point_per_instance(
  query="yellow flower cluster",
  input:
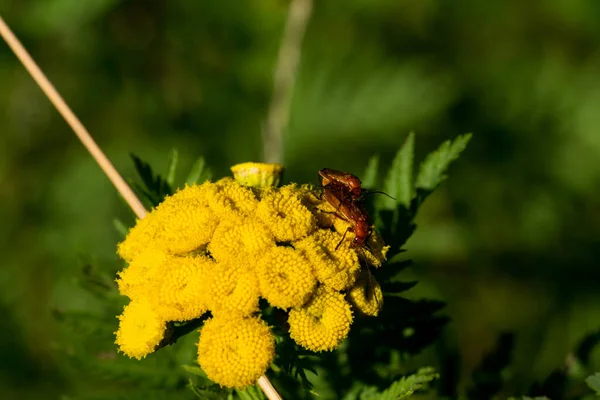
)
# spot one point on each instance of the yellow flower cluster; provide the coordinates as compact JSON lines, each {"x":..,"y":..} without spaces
{"x":222,"y":246}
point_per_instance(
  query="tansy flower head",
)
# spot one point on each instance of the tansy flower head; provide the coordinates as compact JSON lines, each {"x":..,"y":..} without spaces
{"x":181,"y":292}
{"x":231,"y":198}
{"x":235,"y":351}
{"x":283,"y":212}
{"x":140,"y":329}
{"x":258,"y":175}
{"x":140,"y":237}
{"x":240,"y":239}
{"x":232,"y":288}
{"x":286,"y":277}
{"x":141,"y":277}
{"x":187,"y":223}
{"x":366,"y":296}
{"x":323,"y":323}
{"x":337,"y":269}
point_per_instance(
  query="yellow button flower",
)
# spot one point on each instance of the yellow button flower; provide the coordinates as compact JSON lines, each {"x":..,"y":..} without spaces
{"x":286,"y":277}
{"x":140,"y":329}
{"x":366,"y":296}
{"x":240,"y":239}
{"x":323,"y":323}
{"x":233,"y":287}
{"x":140,"y":278}
{"x":201,"y":192}
{"x":337,"y":269}
{"x":181,"y":293}
{"x":140,"y":237}
{"x":181,"y":223}
{"x":258,"y":175}
{"x":231,"y":198}
{"x":187,"y":224}
{"x":234,"y":352}
{"x":283,"y":212}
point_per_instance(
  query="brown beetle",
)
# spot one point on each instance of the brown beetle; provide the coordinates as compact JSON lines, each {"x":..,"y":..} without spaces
{"x":351,"y":211}
{"x":343,"y":181}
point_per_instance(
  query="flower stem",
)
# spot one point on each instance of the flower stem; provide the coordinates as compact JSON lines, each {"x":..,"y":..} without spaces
{"x":72,"y":120}
{"x":283,"y":82}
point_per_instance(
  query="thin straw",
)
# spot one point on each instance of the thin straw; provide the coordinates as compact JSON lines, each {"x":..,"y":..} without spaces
{"x":92,"y":147}
{"x":299,"y":12}
{"x":72,"y":120}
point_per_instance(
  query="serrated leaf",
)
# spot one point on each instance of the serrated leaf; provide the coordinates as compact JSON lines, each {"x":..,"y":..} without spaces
{"x":392,"y":268}
{"x":398,"y":182}
{"x":199,"y":172}
{"x":433,"y":169}
{"x":397,"y":287}
{"x":294,"y":362}
{"x":144,"y":171}
{"x":403,"y":388}
{"x":150,"y":200}
{"x":173,"y":161}
{"x":369,"y":178}
{"x":593,"y":381}
{"x":154,"y":188}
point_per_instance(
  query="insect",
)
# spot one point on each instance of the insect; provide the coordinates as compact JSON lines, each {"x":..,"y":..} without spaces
{"x":346,"y":184}
{"x":351,"y":211}
{"x":344,"y":192}
{"x":343,"y":181}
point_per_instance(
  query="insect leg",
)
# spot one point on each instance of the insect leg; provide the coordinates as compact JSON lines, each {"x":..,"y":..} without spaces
{"x":343,"y":237}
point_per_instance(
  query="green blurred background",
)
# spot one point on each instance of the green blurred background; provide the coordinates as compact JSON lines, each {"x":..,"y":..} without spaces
{"x":510,"y":241}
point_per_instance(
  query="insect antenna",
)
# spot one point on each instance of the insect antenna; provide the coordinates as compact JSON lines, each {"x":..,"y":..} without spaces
{"x":369,"y":192}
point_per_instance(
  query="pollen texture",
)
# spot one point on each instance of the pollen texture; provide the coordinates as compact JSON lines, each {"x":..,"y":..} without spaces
{"x":140,"y":329}
{"x":235,"y":351}
{"x":323,"y":323}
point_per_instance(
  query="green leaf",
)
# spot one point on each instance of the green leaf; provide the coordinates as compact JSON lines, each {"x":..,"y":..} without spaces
{"x":194,"y":370}
{"x":199,"y":172}
{"x":433,"y":169}
{"x":488,"y":377}
{"x":585,"y":347}
{"x":209,"y":392}
{"x":593,"y":381}
{"x":370,"y":175}
{"x":120,"y":227}
{"x":154,"y":188}
{"x":173,"y":160}
{"x":397,"y":287}
{"x":403,"y":388}
{"x":251,"y":393}
{"x":294,"y":361}
{"x":398,"y":182}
